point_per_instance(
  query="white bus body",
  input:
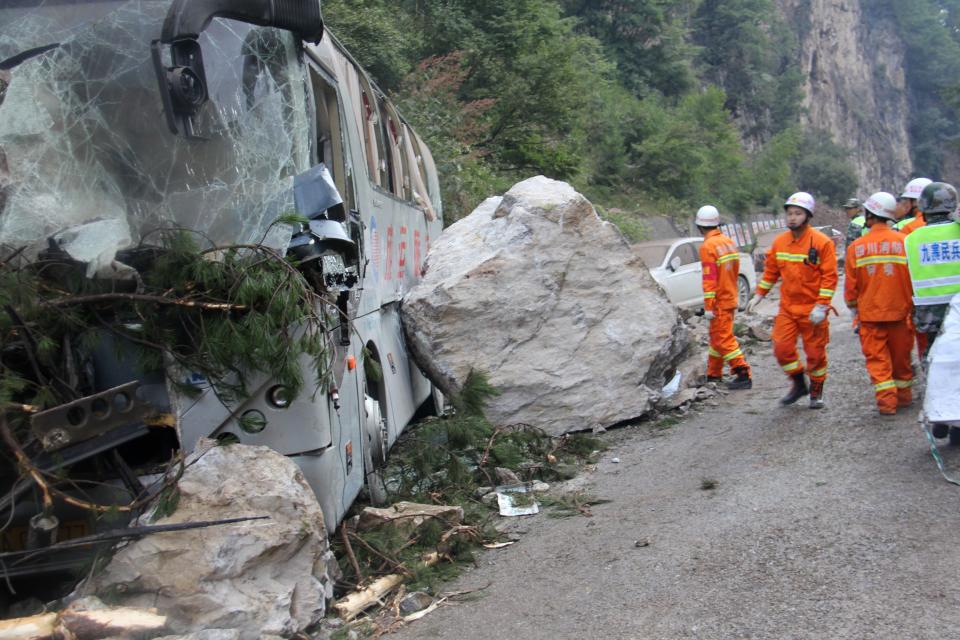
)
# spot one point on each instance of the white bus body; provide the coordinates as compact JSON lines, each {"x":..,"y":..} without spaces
{"x":99,"y":137}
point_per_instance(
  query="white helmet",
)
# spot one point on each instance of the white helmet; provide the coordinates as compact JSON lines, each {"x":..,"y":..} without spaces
{"x":915,"y":187}
{"x":708,"y":216}
{"x":882,"y":205}
{"x":801,"y":199}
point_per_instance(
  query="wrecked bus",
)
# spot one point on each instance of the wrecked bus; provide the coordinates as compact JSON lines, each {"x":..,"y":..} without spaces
{"x":217,"y":117}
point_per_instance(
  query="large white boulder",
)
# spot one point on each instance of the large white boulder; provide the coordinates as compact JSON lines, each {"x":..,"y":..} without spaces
{"x":261,"y":577}
{"x":547,"y":299}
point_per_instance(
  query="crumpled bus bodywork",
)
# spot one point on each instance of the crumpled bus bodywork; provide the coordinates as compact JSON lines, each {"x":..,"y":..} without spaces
{"x":92,"y":154}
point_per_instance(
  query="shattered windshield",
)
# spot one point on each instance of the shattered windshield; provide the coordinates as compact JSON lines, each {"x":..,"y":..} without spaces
{"x":83,"y":135}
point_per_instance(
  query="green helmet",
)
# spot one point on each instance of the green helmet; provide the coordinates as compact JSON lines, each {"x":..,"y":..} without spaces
{"x":938,"y":197}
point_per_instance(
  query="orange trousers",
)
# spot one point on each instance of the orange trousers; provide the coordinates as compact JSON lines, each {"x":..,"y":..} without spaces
{"x":786,"y":329}
{"x":724,"y":348}
{"x":887,"y":347}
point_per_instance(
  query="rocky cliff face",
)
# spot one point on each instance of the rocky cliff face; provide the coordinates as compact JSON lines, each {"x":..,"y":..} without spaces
{"x":855,"y":86}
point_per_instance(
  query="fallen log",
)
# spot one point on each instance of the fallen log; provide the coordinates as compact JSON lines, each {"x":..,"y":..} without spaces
{"x":36,"y":627}
{"x":118,"y":622}
{"x":355,"y":602}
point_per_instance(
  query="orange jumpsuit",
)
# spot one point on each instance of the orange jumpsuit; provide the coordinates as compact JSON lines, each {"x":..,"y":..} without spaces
{"x":917,"y":222}
{"x":878,"y":288}
{"x":808,"y":267}
{"x":914,"y":224}
{"x":720,"y":260}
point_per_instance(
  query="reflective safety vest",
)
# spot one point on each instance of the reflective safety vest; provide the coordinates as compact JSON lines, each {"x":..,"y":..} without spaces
{"x":933,"y":256}
{"x":902,"y":223}
{"x":861,"y":222}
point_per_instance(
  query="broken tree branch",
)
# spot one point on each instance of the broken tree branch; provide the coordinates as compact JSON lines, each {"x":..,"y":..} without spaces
{"x":397,"y":565}
{"x":142,"y":297}
{"x":122,"y":534}
{"x":353,"y":604}
{"x":350,"y":555}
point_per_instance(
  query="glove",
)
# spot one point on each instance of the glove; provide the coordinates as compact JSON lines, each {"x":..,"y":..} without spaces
{"x":856,"y":322}
{"x":754,"y":302}
{"x":709,"y":315}
{"x":819,"y":314}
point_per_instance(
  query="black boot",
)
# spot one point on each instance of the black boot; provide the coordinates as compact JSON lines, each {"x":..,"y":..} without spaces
{"x":816,"y":394}
{"x":742,"y":381}
{"x":797,"y":391}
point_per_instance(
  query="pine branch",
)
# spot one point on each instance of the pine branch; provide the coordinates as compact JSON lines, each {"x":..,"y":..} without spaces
{"x":141,"y":297}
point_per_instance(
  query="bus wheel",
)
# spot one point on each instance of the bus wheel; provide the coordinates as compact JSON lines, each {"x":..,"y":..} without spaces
{"x":374,"y":455}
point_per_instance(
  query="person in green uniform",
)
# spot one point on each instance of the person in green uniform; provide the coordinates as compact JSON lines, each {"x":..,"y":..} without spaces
{"x":857,"y":227}
{"x":933,"y":256}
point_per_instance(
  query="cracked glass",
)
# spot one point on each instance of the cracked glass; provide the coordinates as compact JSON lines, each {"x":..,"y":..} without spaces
{"x":84,"y":139}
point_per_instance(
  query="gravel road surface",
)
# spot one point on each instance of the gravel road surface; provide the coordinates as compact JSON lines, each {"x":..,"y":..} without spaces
{"x":822,"y":524}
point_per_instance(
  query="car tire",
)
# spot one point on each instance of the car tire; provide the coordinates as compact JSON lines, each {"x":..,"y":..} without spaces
{"x":743,"y":292}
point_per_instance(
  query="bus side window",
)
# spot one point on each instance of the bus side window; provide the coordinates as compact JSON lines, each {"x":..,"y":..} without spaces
{"x":396,"y":135}
{"x":329,"y":136}
{"x":374,"y":136}
{"x":418,"y":174}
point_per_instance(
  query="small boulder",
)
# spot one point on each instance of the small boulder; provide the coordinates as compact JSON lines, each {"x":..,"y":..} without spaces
{"x":263,"y":576}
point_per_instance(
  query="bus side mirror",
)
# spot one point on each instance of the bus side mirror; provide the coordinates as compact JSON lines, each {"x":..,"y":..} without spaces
{"x":183,"y":85}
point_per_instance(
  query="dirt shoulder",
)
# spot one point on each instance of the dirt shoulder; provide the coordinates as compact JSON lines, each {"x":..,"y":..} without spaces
{"x":822,"y":524}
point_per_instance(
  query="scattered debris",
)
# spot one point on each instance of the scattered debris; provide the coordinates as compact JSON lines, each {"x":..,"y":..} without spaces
{"x":506,"y":476}
{"x":708,"y":484}
{"x":641,"y":543}
{"x":572,"y":504}
{"x":615,"y":460}
{"x":673,"y":386}
{"x":499,"y":545}
{"x":407,"y":517}
{"x":416,"y":601}
{"x":517,"y":500}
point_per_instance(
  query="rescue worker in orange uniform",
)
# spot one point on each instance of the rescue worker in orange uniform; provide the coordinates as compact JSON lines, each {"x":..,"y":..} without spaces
{"x":720,"y":262}
{"x":909,"y":216}
{"x":879,"y":292}
{"x":807,"y":262}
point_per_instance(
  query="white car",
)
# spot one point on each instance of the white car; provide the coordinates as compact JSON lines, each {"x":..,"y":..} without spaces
{"x":675,"y":265}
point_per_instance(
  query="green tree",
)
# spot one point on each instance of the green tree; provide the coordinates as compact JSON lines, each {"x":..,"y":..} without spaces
{"x":824,"y":168}
{"x":647,"y":39}
{"x":740,"y":53}
{"x":690,"y":153}
{"x":377,"y":35}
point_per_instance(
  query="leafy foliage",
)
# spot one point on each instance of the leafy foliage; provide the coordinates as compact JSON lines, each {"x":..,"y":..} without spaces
{"x":223,"y":313}
{"x":825,"y":164}
{"x":645,"y":105}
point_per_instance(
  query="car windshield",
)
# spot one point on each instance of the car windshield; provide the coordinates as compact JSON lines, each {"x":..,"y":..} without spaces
{"x":83,"y":134}
{"x":653,"y":254}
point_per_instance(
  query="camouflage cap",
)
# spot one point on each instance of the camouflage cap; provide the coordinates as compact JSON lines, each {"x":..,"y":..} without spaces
{"x":938,"y":197}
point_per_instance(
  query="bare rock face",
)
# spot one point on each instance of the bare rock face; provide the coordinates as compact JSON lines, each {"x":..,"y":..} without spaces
{"x":539,"y":293}
{"x":854,"y":87}
{"x":262,"y":577}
